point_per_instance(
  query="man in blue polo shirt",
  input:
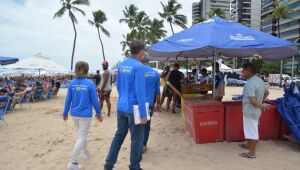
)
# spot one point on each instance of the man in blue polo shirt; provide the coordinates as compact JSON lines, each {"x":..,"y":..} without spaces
{"x":131,"y":88}
{"x":152,"y":95}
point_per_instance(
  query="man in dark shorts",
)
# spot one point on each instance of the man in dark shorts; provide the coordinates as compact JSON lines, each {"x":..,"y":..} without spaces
{"x":175,"y":79}
{"x":97,"y":78}
{"x":105,"y":87}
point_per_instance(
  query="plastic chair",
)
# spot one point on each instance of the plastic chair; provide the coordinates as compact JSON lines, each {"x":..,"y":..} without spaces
{"x":39,"y":93}
{"x":25,"y":99}
{"x":4,"y":100}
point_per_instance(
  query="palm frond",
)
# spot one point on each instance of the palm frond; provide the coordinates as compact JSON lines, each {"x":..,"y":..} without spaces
{"x":73,"y":18}
{"x":105,"y":31}
{"x":60,"y":12}
{"x":78,"y":10}
{"x":179,"y":23}
{"x":91,"y":22}
{"x":80,"y":2}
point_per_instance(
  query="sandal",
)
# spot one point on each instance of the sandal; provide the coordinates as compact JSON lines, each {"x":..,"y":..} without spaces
{"x":247,"y":155}
{"x":244,"y":146}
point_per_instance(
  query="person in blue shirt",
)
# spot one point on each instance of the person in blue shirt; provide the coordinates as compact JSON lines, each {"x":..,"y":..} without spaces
{"x":131,"y":89}
{"x":152,"y":81}
{"x":81,"y":98}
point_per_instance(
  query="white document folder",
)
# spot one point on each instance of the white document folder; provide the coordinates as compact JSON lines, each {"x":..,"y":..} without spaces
{"x":137,"y":116}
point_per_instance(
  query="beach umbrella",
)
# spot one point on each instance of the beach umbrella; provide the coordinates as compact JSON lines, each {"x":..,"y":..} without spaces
{"x":217,"y":36}
{"x":40,"y":63}
{"x":8,"y":60}
{"x":227,"y":38}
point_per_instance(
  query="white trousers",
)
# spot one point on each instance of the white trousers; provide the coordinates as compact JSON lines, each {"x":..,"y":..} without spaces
{"x":83,"y":125}
{"x":250,"y":128}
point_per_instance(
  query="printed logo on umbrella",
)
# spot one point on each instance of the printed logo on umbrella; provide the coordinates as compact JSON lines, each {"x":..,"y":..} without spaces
{"x":241,"y":37}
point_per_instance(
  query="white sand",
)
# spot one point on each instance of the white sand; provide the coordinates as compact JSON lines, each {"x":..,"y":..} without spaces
{"x":38,"y":139}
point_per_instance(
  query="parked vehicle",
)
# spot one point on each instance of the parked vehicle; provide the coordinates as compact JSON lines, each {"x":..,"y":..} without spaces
{"x":274,"y":79}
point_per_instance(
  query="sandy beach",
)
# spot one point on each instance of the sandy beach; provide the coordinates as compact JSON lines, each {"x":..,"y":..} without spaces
{"x":38,"y":139}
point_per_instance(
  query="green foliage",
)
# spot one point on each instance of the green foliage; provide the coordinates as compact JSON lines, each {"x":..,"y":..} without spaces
{"x":216,"y":11}
{"x":266,"y":67}
{"x":141,"y":27}
{"x":170,"y":13}
{"x":70,"y":6}
{"x":99,"y":18}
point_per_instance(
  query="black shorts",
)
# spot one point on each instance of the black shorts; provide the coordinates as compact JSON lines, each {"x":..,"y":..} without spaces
{"x":167,"y":91}
{"x":105,"y":95}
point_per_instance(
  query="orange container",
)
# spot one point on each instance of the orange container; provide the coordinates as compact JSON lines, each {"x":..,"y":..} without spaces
{"x":205,"y":120}
{"x":269,"y":127}
{"x":233,"y":130}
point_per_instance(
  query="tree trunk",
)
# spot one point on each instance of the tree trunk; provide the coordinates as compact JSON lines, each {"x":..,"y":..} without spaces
{"x":171,"y":27}
{"x":74,"y":44}
{"x":101,"y":44}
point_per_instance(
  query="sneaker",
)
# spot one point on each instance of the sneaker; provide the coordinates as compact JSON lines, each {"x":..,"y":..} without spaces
{"x":86,"y":155}
{"x":73,"y":166}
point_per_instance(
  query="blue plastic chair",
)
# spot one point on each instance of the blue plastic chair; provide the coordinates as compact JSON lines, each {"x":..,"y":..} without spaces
{"x":11,"y":96}
{"x":25,"y":99}
{"x":4,"y":100}
{"x":39,"y":93}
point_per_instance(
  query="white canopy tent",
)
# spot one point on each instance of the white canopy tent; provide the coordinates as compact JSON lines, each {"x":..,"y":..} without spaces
{"x":223,"y":68}
{"x":39,"y":63}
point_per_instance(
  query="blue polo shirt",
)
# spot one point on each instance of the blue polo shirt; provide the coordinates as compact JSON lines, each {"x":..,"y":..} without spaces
{"x":152,"y":81}
{"x":131,"y":87}
{"x":81,"y":98}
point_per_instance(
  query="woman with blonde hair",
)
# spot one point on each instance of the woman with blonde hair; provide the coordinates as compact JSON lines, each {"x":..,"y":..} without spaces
{"x":81,"y":97}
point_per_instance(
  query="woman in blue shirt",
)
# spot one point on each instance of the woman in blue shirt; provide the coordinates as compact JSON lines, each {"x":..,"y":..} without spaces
{"x":81,"y":97}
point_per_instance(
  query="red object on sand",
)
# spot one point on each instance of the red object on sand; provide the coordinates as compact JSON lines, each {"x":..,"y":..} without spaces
{"x":269,"y":126}
{"x":205,"y":120}
{"x":284,"y":130}
{"x":233,"y":122}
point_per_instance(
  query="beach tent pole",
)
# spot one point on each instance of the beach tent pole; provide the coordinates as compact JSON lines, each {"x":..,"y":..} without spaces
{"x":186,"y":65}
{"x":293,"y":66}
{"x":214,"y":75}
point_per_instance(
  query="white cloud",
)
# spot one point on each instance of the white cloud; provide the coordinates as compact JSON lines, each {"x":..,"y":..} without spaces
{"x":26,"y":29}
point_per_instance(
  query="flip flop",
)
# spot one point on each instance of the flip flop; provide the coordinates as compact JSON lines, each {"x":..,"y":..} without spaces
{"x":244,"y":146}
{"x":247,"y":155}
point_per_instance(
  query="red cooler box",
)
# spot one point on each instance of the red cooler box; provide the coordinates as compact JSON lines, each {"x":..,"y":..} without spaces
{"x":284,"y":130}
{"x":233,"y":121}
{"x":269,"y":126}
{"x":205,"y":120}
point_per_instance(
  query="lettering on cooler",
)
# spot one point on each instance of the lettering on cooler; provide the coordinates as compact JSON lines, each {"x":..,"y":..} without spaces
{"x":209,"y":123}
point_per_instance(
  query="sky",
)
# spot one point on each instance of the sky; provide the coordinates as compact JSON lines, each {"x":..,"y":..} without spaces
{"x":27,"y":27}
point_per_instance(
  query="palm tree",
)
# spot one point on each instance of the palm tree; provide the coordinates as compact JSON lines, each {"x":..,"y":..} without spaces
{"x":156,"y":31}
{"x":99,"y":19}
{"x":216,"y":11}
{"x":280,"y":11}
{"x":128,"y":38}
{"x":170,"y":13}
{"x":141,"y":25}
{"x":129,"y":15}
{"x":198,"y":20}
{"x":70,"y":7}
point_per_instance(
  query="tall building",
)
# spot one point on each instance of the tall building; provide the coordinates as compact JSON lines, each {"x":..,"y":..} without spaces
{"x":289,"y":27}
{"x":197,"y":12}
{"x":247,"y":12}
{"x":201,"y":8}
{"x":208,"y":5}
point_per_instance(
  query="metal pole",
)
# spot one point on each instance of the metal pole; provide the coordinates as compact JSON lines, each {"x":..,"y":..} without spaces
{"x":293,"y":66}
{"x":214,"y":75}
{"x":281,"y":69}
